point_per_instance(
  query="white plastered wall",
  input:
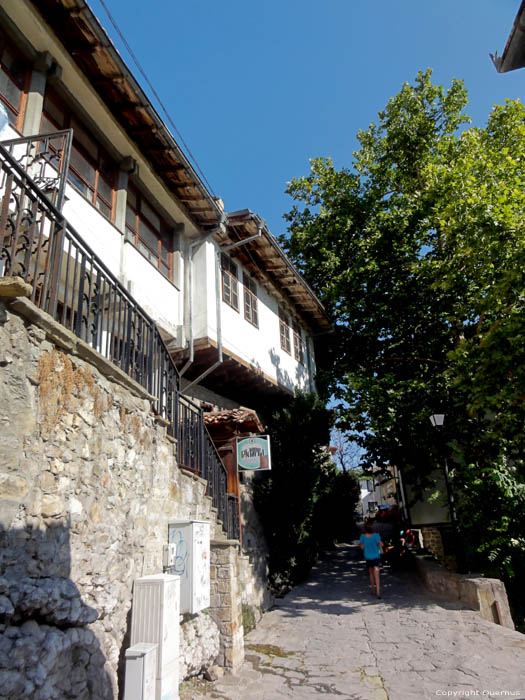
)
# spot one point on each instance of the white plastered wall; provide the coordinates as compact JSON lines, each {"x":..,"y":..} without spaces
{"x":158,"y":297}
{"x":32,"y":27}
{"x":258,"y":347}
{"x":94,"y":229}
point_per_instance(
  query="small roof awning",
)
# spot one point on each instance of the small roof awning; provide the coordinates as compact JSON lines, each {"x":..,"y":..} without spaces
{"x":237,"y":419}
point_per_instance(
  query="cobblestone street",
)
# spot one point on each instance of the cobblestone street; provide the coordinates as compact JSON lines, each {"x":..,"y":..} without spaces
{"x":330,"y":638}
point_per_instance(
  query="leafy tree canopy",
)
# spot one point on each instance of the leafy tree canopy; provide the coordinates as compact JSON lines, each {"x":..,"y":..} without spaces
{"x":305,"y":503}
{"x":418,"y":252}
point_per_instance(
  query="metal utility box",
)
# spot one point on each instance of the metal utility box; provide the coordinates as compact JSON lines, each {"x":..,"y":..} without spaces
{"x":189,"y":550}
{"x":141,"y":672}
{"x":155,"y":619}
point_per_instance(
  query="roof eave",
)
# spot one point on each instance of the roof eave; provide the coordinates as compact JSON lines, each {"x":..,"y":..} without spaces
{"x":246,"y":216}
{"x":79,"y":8}
{"x":513,"y":56}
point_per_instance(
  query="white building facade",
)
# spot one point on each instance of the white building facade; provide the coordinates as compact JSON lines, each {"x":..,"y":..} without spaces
{"x":137,"y":202}
{"x":137,"y":279}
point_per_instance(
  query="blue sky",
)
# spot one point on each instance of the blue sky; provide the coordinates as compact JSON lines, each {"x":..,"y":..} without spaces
{"x":258,"y":88}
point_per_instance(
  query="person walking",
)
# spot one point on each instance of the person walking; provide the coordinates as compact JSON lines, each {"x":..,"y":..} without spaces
{"x":372,"y":547}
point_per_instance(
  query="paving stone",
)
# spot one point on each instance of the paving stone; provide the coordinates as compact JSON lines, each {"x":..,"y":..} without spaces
{"x":337,"y":642}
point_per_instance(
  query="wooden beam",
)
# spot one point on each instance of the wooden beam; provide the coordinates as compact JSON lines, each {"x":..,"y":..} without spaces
{"x":116,"y":79}
{"x":87,"y":48}
{"x":143,"y":130}
{"x":166,"y":169}
{"x":128,"y":104}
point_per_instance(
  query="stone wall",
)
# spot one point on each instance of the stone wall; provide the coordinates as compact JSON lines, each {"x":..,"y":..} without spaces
{"x":253,"y":564}
{"x":88,"y":482}
{"x":432,"y":541}
{"x":199,"y":644}
{"x":226,"y":607}
{"x":485,"y":595}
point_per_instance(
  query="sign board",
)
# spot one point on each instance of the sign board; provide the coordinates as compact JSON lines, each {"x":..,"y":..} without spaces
{"x":253,"y":453}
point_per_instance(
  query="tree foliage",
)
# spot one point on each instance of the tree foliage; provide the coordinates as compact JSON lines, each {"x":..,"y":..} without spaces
{"x":418,"y":253}
{"x":305,"y":503}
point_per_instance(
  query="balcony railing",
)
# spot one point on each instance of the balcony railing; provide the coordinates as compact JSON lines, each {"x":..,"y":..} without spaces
{"x":45,"y":158}
{"x":75,"y":287}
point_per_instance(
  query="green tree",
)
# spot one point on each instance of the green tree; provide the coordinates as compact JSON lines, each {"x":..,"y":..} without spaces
{"x":304,"y":502}
{"x":418,"y":253}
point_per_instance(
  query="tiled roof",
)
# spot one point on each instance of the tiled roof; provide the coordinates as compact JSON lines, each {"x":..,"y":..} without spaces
{"x":242,"y":418}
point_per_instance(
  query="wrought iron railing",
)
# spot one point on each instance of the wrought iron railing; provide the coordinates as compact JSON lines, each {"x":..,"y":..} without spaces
{"x":190,"y":422}
{"x":77,"y":289}
{"x":45,"y":157}
{"x":234,"y":527}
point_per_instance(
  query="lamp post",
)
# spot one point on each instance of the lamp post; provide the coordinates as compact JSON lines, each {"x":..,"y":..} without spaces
{"x":437,"y":420}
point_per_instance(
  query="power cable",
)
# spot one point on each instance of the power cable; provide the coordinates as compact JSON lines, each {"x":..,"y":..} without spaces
{"x":154,"y":92}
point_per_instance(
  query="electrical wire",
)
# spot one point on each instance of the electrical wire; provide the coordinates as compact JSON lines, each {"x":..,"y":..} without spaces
{"x":154,"y":92}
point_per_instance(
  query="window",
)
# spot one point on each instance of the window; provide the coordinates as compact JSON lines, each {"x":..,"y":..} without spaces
{"x":230,"y":282}
{"x":284,"y":331}
{"x":298,"y":344}
{"x":250,"y":301}
{"x":91,"y":171}
{"x":149,"y":233}
{"x":14,"y":72}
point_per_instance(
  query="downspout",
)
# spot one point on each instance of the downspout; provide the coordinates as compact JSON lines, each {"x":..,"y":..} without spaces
{"x":260,"y":225}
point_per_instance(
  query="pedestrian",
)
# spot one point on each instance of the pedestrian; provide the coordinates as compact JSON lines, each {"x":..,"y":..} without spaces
{"x":370,"y":543}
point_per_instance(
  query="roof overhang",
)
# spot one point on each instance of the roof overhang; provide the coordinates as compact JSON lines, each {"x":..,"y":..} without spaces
{"x":266,"y":261}
{"x":247,"y":384}
{"x":94,"y":53}
{"x":514,"y":53}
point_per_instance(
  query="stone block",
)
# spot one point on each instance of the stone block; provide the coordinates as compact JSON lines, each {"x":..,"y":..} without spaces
{"x":52,"y":506}
{"x":487,"y":596}
{"x":12,"y":487}
{"x":11,"y":287}
{"x":214,"y":673}
{"x":48,"y":482}
{"x":234,"y":657}
{"x":224,"y":586}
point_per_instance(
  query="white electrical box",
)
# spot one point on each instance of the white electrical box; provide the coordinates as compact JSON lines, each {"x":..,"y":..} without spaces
{"x":141,"y":672}
{"x":155,"y":619}
{"x":191,"y":540}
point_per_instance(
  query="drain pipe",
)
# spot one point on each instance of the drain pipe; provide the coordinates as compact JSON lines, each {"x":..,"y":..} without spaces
{"x":260,"y":226}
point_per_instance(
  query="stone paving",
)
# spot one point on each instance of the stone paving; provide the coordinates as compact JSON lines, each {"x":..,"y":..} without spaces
{"x":329,"y":637}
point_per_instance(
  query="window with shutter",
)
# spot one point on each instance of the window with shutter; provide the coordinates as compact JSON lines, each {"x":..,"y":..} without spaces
{"x":230,"y":282}
{"x":250,"y":301}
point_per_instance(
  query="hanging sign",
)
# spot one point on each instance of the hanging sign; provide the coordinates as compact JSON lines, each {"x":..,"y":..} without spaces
{"x":253,"y":453}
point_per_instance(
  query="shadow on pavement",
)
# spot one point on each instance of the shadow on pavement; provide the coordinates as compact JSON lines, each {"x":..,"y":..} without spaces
{"x":339,"y":585}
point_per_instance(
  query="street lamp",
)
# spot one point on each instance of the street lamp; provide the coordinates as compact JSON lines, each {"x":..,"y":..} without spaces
{"x":437,"y":420}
